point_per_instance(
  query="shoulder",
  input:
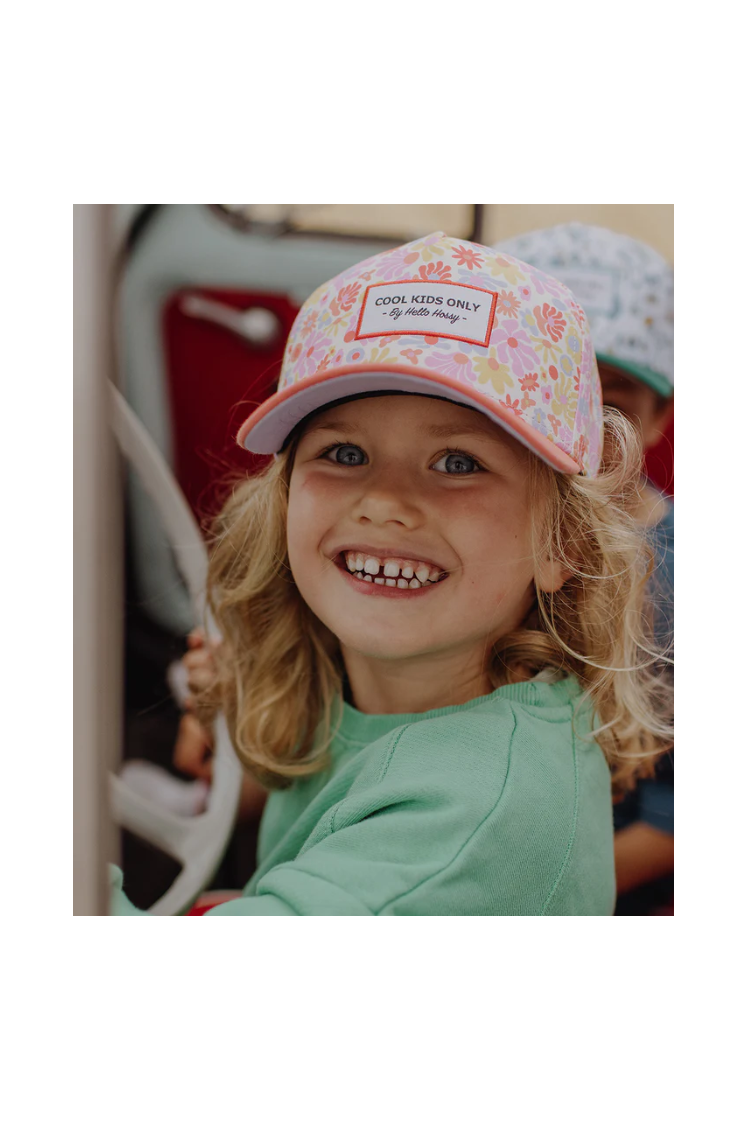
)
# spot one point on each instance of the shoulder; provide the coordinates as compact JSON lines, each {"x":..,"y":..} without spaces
{"x":515,"y":730}
{"x":520,"y":799}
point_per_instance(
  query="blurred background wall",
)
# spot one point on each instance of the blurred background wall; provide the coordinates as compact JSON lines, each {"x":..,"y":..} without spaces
{"x":652,"y":223}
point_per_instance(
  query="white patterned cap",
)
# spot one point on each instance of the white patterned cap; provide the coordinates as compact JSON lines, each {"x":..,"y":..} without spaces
{"x":626,"y":289}
{"x":445,"y":317}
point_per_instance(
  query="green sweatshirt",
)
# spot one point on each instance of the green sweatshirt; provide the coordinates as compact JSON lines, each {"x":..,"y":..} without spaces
{"x":500,"y":806}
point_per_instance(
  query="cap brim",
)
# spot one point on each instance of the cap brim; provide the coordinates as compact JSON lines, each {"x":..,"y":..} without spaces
{"x":267,"y":429}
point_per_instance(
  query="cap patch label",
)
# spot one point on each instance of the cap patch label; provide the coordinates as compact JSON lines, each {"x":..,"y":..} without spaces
{"x":427,"y":307}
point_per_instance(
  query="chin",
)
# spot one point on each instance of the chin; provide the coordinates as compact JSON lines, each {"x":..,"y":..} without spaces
{"x":385,"y":646}
{"x":384,"y":652}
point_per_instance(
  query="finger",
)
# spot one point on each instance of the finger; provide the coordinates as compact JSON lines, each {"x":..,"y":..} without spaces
{"x":196,"y":638}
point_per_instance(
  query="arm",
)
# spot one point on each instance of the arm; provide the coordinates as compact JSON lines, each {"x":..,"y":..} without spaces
{"x":193,"y":750}
{"x":642,"y":854}
{"x":644,"y":850}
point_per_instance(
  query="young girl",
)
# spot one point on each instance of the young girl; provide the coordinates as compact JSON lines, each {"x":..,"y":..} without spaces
{"x":432,"y":601}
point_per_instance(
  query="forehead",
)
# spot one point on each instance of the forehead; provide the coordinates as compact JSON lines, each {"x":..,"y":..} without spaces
{"x":413,"y":414}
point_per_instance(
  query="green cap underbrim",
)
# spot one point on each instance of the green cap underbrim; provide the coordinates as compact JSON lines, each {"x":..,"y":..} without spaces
{"x":657,"y":382}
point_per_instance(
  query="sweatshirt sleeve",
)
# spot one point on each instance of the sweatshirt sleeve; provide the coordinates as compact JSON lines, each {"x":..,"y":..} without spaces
{"x":410,"y":823}
{"x":119,"y":905}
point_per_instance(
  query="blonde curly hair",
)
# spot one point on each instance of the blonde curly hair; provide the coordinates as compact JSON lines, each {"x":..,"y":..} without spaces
{"x":280,"y":670}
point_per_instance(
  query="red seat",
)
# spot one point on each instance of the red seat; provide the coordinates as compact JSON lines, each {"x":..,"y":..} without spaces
{"x":215,"y":378}
{"x":660,"y":461}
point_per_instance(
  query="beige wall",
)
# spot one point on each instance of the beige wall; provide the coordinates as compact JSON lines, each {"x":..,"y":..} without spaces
{"x":652,"y":223}
{"x":395,"y":220}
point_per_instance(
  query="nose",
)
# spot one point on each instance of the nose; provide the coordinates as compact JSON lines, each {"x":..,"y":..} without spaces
{"x":389,"y":497}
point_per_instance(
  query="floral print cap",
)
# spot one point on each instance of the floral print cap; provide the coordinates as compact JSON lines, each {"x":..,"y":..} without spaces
{"x":446,"y":318}
{"x":627,"y":290}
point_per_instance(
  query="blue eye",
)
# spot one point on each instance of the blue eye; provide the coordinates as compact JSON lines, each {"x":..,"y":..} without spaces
{"x":457,"y":463}
{"x":349,"y":455}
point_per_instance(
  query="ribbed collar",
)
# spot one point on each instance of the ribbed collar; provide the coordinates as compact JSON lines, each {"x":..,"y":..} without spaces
{"x":363,"y":727}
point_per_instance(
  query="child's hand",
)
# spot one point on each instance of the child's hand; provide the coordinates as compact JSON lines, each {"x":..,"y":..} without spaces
{"x":193,"y":751}
{"x":194,"y":748}
{"x":199,"y":662}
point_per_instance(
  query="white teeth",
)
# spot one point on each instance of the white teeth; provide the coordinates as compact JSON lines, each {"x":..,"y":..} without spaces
{"x":391,"y":583}
{"x":379,"y":580}
{"x":401,"y":583}
{"x":368,"y":579}
{"x":414,"y":584}
{"x":390,"y":569}
{"x":359,"y":575}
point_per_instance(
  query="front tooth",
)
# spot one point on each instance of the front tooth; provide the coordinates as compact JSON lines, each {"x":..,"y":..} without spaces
{"x":371,"y":565}
{"x":408,"y":572}
{"x":391,"y":583}
{"x":391,"y":568}
{"x":378,"y":579}
{"x":350,"y":562}
{"x":414,"y":584}
{"x":359,"y":575}
{"x":422,"y":573}
{"x":368,"y":579}
{"x":401,"y":583}
{"x":359,"y":561}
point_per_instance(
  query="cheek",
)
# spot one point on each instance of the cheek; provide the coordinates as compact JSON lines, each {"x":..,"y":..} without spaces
{"x":492,"y":531}
{"x":498,"y":566}
{"x":300,"y":520}
{"x":311,"y":514}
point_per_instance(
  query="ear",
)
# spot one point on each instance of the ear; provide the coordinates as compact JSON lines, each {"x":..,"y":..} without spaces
{"x":551,"y":575}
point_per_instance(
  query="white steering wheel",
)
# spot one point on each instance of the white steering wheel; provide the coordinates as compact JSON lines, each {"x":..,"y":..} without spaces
{"x":197,"y":843}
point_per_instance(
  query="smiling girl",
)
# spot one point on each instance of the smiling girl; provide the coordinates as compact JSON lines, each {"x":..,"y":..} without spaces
{"x":433,"y":602}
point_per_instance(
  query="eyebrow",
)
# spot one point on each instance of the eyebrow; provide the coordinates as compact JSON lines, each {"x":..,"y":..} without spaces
{"x":445,"y":431}
{"x":440,"y":431}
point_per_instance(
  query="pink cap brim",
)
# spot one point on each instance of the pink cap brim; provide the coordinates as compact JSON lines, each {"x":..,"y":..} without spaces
{"x":268,"y":427}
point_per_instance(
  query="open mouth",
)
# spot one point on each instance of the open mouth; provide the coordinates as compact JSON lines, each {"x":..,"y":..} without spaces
{"x":402,"y":573}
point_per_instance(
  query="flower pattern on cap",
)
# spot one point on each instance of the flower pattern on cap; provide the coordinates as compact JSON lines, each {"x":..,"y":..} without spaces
{"x":524,"y":350}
